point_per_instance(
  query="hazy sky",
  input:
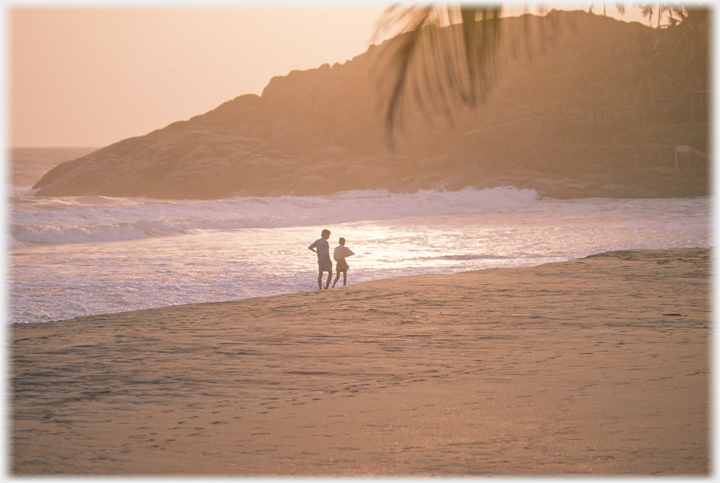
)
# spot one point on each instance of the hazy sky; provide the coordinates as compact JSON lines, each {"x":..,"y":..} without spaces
{"x":91,"y":75}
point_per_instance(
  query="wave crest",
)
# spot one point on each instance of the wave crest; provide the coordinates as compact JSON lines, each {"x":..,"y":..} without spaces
{"x":99,"y":219}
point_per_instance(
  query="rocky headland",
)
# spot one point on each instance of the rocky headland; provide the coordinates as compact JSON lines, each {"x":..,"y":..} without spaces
{"x":553,"y":123}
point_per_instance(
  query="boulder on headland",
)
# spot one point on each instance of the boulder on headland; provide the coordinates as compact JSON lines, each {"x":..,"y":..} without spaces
{"x":553,"y":124}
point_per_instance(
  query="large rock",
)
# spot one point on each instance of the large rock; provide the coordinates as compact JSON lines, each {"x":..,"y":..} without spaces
{"x":321,"y":131}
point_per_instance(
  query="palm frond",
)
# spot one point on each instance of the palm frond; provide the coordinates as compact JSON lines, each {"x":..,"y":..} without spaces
{"x":445,"y":57}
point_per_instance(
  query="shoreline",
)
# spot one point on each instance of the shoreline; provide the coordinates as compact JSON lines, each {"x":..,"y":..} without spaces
{"x":592,"y":366}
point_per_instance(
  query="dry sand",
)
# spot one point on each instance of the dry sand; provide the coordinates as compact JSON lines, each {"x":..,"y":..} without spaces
{"x":598,"y":366}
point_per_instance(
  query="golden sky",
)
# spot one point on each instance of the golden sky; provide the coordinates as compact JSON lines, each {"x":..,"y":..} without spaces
{"x":91,"y":75}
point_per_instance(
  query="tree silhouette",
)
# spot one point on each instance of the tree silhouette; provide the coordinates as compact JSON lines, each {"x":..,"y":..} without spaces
{"x":648,"y":9}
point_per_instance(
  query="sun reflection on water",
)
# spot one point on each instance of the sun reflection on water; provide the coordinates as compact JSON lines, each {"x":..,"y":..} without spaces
{"x":62,"y":281}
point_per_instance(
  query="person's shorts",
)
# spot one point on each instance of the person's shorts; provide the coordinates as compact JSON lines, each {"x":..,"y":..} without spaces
{"x":324,"y":265}
{"x":342,"y":265}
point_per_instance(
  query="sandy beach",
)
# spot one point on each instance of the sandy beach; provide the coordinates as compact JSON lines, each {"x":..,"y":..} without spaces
{"x":598,"y":366}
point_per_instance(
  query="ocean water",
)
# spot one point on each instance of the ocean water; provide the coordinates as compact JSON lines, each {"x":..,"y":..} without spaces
{"x":74,"y":256}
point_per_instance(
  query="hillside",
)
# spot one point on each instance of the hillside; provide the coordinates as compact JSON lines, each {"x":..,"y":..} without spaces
{"x":552,"y":124}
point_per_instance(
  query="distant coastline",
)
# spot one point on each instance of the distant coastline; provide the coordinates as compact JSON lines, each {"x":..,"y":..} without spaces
{"x":556,"y":125}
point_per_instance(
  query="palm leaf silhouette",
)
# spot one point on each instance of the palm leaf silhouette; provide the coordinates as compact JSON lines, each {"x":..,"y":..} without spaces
{"x":446,"y":56}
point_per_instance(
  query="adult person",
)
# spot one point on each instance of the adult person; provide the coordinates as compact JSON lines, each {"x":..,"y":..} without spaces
{"x":322,"y":248}
{"x":340,"y":253}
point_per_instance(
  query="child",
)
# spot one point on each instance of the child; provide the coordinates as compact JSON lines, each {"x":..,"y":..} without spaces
{"x":340,"y":253}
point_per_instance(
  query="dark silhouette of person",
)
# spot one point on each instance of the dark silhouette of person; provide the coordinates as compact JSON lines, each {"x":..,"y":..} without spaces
{"x":340,"y":253}
{"x":322,"y":248}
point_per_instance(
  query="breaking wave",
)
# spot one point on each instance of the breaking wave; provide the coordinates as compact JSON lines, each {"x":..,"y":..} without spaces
{"x":49,"y":221}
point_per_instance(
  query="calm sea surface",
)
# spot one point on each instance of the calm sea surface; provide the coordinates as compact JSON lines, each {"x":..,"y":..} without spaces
{"x":75,"y":256}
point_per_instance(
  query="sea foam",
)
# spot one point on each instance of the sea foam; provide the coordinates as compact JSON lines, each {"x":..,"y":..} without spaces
{"x":89,"y":219}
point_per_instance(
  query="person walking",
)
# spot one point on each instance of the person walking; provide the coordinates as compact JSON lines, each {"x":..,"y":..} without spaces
{"x":322,"y":248}
{"x":340,"y":253}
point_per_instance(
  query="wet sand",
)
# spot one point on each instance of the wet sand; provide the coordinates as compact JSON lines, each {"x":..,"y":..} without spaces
{"x":598,"y":366}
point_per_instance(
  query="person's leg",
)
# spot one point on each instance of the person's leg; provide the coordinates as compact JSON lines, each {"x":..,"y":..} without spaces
{"x":337,"y":276}
{"x":320,"y":280}
{"x":327,"y":285}
{"x":344,"y":278}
